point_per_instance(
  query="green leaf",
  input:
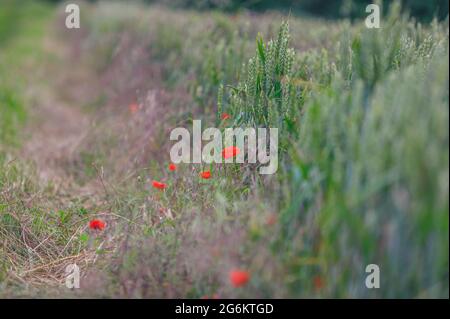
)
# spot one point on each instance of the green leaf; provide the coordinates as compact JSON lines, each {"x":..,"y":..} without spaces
{"x":63,"y":216}
{"x":82,"y":211}
{"x":261,"y":48}
{"x":84,"y":238}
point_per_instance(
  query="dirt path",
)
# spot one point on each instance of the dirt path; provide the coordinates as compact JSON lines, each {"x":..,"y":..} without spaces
{"x":57,"y":123}
{"x":61,"y":124}
{"x":57,"y":130}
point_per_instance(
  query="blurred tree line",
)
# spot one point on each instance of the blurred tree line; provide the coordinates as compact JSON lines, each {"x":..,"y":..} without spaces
{"x":423,"y":10}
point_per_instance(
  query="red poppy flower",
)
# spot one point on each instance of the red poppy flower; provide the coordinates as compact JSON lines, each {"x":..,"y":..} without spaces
{"x":133,"y":107}
{"x":239,"y":278}
{"x":96,"y":224}
{"x":271,"y":219}
{"x":205,"y":175}
{"x":159,"y":185}
{"x":230,"y":151}
{"x":172,"y":167}
{"x":226,"y":116}
{"x":318,"y":282}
